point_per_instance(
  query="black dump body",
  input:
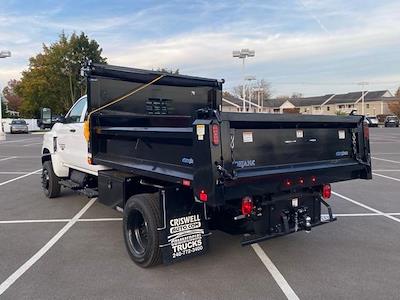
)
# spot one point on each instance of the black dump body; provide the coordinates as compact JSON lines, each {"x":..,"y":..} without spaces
{"x":173,"y":131}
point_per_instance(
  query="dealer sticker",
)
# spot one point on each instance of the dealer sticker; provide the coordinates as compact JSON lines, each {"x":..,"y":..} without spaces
{"x":342,"y":134}
{"x":299,"y":134}
{"x":247,"y":137}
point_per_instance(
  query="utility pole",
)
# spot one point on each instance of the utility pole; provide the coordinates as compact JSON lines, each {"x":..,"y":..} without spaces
{"x":3,"y":54}
{"x":243,"y":54}
{"x":363,"y":84}
{"x":249,"y":79}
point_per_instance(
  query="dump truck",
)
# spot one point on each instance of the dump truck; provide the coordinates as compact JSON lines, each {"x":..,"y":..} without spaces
{"x":159,"y":148}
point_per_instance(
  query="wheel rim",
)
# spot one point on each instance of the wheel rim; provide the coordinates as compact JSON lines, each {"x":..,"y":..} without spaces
{"x":45,"y":179}
{"x":137,"y":229}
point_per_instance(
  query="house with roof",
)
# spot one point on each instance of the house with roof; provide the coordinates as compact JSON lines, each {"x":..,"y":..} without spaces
{"x":375,"y":103}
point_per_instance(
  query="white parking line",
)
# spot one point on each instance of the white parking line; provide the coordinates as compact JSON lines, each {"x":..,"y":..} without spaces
{"x":367,"y":207}
{"x":387,"y":177}
{"x":28,"y":264}
{"x":388,"y":160}
{"x":7,"y":158}
{"x":387,"y":170}
{"x":20,"y":177}
{"x":58,"y":220}
{"x":17,"y":141}
{"x":14,"y":173}
{"x":31,"y":144}
{"x":273,"y":270}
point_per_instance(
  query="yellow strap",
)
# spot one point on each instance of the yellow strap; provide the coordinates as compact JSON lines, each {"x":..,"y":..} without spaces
{"x":86,"y":123}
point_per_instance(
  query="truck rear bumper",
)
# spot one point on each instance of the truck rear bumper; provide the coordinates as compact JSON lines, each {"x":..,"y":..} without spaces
{"x":254,"y":238}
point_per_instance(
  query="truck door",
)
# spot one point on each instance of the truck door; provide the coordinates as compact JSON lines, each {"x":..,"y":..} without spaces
{"x":71,"y":141}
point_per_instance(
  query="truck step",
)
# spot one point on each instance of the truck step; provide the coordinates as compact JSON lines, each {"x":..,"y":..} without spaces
{"x":70,"y":184}
{"x":90,"y":193}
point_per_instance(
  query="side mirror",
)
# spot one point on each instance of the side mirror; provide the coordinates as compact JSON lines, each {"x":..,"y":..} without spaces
{"x":61,"y":119}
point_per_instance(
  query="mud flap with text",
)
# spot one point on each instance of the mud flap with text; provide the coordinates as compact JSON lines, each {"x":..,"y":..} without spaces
{"x":184,"y":233}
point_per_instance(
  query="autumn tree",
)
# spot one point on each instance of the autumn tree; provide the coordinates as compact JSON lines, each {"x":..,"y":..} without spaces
{"x":9,"y":92}
{"x":53,"y":77}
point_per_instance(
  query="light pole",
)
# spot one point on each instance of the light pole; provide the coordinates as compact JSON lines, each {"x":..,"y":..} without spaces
{"x":243,"y":54}
{"x":249,"y":79}
{"x":3,"y":54}
{"x":363,"y":84}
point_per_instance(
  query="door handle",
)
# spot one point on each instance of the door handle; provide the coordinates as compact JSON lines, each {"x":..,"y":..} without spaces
{"x":72,"y":130}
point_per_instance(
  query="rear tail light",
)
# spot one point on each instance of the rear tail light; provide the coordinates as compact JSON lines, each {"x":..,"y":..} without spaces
{"x":366,"y":131}
{"x":313,"y":179}
{"x":215,"y":134}
{"x":288,"y":182}
{"x":326,"y":191}
{"x":203,"y":196}
{"x":247,"y":205}
{"x":301,"y":181}
{"x":185,"y":182}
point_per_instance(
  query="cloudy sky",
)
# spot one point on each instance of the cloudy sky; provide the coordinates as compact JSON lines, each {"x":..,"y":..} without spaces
{"x":308,"y":46}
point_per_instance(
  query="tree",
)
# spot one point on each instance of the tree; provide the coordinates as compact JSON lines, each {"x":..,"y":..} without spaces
{"x":169,"y":71}
{"x":397,"y":94}
{"x":53,"y":78}
{"x":9,"y":92}
{"x":260,"y":89}
{"x":394,"y":107}
{"x":296,"y":95}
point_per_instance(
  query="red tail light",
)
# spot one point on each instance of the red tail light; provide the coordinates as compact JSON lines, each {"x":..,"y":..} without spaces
{"x":203,"y":196}
{"x":313,"y":179}
{"x":301,"y":181}
{"x":366,"y":131}
{"x":288,"y":182}
{"x":326,"y":191}
{"x":215,"y":134}
{"x":185,"y":182}
{"x":247,"y":205}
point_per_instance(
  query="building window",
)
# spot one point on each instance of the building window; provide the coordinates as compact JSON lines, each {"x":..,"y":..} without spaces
{"x":317,"y":107}
{"x":350,"y":106}
{"x":342,"y":106}
{"x":277,"y":110}
{"x":367,"y":105}
{"x":328,"y":108}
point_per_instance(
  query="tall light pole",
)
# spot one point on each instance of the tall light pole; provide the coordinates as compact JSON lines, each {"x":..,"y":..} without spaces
{"x":243,"y":54}
{"x":363,"y":84}
{"x":249,"y":79}
{"x":3,"y":54}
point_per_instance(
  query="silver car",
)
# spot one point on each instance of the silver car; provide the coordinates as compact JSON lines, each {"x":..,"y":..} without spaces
{"x":18,"y":126}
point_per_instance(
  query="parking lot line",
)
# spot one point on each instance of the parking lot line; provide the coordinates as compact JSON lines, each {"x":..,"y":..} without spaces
{"x":17,"y":141}
{"x":28,"y":264}
{"x":388,"y":160}
{"x":20,"y":177}
{"x":387,"y":170}
{"x":273,"y":270}
{"x":384,"y":176}
{"x":367,"y":207}
{"x":35,"y":221}
{"x":14,"y":173}
{"x":31,"y":144}
{"x":7,"y":158}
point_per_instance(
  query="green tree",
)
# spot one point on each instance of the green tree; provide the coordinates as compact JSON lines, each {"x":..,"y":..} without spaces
{"x":53,"y":77}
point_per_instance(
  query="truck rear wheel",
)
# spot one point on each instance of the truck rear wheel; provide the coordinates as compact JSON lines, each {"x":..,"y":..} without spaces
{"x":142,"y":217}
{"x":50,"y":181}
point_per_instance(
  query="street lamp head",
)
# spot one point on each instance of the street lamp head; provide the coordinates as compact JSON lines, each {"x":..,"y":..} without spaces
{"x":4,"y":54}
{"x":243,"y":53}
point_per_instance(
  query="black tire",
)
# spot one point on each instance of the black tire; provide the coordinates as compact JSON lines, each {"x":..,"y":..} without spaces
{"x":50,"y":181}
{"x":142,"y":217}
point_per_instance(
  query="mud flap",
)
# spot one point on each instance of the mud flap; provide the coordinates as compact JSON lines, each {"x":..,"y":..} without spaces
{"x":185,"y":232}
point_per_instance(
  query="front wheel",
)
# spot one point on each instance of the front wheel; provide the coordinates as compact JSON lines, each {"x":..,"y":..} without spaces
{"x":142,"y":217}
{"x":50,"y":181}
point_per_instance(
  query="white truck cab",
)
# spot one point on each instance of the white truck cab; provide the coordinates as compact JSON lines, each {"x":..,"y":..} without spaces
{"x":65,"y":146}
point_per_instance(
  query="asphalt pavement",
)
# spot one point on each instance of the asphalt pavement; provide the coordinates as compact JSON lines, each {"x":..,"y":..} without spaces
{"x":72,"y":248}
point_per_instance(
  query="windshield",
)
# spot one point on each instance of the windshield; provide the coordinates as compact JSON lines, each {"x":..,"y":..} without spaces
{"x":18,"y":122}
{"x":392,"y":118}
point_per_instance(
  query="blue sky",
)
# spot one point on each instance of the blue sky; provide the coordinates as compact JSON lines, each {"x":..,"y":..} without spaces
{"x":308,"y":46}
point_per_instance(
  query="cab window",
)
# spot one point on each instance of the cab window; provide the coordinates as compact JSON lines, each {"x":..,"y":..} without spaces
{"x":75,"y":114}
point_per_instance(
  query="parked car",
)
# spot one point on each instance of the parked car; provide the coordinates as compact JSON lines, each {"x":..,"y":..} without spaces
{"x":392,"y":121}
{"x":18,"y":126}
{"x":372,"y":121}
